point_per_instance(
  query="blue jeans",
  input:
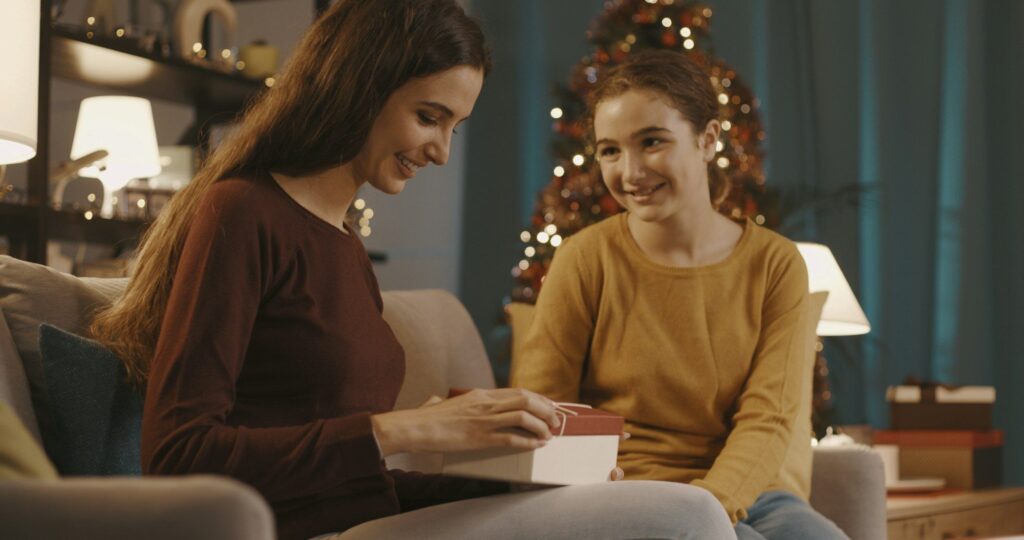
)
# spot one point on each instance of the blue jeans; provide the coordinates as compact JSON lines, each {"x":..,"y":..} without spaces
{"x":779,"y":515}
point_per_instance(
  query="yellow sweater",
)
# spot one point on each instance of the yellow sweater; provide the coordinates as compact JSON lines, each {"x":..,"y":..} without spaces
{"x":704,"y":363}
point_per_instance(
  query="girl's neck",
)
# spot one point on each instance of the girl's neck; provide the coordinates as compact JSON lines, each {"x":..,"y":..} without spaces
{"x":698,"y":237}
{"x":326,"y":194}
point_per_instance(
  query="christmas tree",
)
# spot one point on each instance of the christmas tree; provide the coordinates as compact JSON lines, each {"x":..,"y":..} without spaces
{"x":575,"y":197}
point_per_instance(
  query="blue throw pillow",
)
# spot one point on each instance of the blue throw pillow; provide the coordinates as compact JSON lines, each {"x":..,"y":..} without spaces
{"x":97,"y":415}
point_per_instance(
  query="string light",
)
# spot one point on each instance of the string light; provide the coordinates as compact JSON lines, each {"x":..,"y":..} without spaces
{"x":524,"y":236}
{"x":726,"y":125}
{"x":577,"y":160}
{"x":556,"y":113}
{"x":530,"y":251}
{"x":719,"y":145}
{"x":559,"y":171}
{"x":666,"y":22}
{"x":543,"y":237}
{"x":723,"y":99}
{"x":524,"y":264}
{"x":359,"y":204}
{"x":551,"y":229}
{"x":685,"y":31}
{"x":723,"y":162}
{"x":88,"y":215}
{"x":556,"y":240}
{"x":688,"y":44}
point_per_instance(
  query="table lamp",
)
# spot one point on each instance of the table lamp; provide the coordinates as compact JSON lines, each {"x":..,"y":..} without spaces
{"x":123,"y":127}
{"x":842,"y":314}
{"x":19,"y":91}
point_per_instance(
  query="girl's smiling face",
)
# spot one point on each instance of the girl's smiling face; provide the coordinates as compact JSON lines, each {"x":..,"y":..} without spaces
{"x":653,"y":160}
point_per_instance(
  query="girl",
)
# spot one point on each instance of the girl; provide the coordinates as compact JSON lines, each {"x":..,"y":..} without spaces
{"x":681,"y":320}
{"x":254,"y":318}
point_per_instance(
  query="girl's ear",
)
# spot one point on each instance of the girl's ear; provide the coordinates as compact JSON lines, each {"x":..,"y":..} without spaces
{"x":708,"y":139}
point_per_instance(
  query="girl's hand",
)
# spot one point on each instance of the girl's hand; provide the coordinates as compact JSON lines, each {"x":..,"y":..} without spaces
{"x":505,"y":417}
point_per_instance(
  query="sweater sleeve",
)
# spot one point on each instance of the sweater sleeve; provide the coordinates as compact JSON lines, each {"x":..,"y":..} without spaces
{"x":557,"y":343}
{"x":224,"y":271}
{"x":767,"y":406}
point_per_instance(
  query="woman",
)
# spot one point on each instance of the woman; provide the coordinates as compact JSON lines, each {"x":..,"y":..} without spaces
{"x":683,"y":321}
{"x":254,"y":318}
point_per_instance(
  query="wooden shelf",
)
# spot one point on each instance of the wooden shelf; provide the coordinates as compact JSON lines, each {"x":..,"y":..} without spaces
{"x":116,"y":65}
{"x":72,"y":226}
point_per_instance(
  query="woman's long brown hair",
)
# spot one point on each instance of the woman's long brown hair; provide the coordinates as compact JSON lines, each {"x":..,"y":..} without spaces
{"x":316,"y":116}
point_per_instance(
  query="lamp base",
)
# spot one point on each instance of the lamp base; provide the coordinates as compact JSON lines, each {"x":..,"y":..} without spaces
{"x":108,"y":209}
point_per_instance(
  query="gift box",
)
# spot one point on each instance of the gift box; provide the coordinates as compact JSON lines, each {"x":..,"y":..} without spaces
{"x":583,"y":451}
{"x":966,"y":459}
{"x":919,"y":407}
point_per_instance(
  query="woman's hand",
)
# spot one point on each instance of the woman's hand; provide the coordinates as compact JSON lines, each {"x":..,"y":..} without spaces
{"x":506,"y":417}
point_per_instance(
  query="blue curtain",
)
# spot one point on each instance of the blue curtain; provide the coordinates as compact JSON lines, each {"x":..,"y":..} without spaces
{"x":918,"y":103}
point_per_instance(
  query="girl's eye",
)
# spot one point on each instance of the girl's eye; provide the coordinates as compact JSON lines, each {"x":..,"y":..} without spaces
{"x":607,"y":151}
{"x":651,"y":141}
{"x":427,"y":120}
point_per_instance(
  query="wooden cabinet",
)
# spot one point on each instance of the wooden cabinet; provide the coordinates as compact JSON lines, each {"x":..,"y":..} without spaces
{"x":984,"y":513}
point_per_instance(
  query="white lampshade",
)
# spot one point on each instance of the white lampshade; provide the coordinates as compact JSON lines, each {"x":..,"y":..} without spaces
{"x":842,"y":314}
{"x":123,"y":126}
{"x":19,"y":82}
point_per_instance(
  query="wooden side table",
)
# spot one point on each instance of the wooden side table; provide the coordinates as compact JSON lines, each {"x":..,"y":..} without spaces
{"x":981,"y":513}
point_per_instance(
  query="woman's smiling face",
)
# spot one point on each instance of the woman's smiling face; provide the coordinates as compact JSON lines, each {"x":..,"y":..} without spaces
{"x":415,"y":127}
{"x":653,"y":160}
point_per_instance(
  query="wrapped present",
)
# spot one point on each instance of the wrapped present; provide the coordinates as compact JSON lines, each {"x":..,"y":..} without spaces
{"x":966,"y":459}
{"x":583,"y":451}
{"x":934,"y":406}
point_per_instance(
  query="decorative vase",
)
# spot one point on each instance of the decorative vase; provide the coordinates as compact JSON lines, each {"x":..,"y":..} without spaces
{"x":259,"y":58}
{"x":188,"y":24}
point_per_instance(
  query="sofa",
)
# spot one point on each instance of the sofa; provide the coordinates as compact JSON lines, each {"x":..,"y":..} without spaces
{"x":443,"y":350}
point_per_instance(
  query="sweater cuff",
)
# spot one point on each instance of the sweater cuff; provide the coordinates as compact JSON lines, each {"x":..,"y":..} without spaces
{"x":735,"y":511}
{"x":352,"y":441}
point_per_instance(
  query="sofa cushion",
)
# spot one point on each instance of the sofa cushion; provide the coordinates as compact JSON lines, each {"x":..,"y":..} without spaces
{"x":13,"y":385}
{"x":96,"y":418}
{"x":20,"y":455}
{"x":31,"y":294}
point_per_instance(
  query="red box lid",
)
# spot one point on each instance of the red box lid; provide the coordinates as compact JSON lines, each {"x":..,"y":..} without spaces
{"x":588,"y":421}
{"x":939,"y":437}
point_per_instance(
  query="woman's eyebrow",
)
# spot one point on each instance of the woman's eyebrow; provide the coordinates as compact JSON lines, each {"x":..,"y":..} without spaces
{"x":440,"y":107}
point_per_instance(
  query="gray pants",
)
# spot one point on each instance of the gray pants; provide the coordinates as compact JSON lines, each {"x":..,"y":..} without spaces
{"x":613,"y":510}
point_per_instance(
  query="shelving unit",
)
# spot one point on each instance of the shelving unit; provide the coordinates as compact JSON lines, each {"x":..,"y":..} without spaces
{"x":114,"y":65}
{"x":111,"y":64}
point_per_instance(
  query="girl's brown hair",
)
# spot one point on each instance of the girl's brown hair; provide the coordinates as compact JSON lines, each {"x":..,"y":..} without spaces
{"x":682,"y":81}
{"x":316,"y":116}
